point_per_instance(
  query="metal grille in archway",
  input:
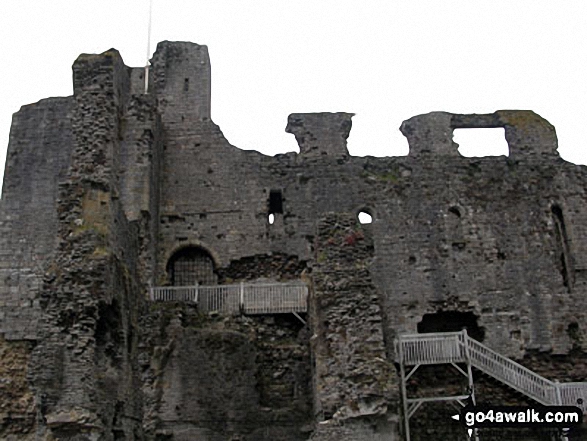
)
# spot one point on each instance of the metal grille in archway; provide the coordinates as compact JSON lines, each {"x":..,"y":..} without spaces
{"x":192,"y":266}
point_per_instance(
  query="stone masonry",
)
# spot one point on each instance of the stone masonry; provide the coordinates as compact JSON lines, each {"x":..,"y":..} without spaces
{"x":106,"y":190}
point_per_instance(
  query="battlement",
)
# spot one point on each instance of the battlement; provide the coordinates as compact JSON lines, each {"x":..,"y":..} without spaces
{"x":431,"y":135}
{"x":528,"y":135}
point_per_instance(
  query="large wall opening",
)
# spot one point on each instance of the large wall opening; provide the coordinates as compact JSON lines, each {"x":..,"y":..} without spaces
{"x":481,"y":142}
{"x":451,"y":321}
{"x":191,"y":266}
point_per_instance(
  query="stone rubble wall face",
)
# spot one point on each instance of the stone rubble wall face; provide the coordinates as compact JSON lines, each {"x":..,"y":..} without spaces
{"x":83,"y":368}
{"x":352,"y":376}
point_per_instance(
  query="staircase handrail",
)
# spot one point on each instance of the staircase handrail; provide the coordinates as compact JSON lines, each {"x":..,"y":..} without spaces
{"x":512,"y":373}
{"x":455,"y":347}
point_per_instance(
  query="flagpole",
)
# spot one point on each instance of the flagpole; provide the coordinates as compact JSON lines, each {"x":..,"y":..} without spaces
{"x":148,"y":47}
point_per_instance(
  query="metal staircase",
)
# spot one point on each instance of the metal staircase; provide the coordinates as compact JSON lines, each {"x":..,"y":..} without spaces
{"x":456,"y":347}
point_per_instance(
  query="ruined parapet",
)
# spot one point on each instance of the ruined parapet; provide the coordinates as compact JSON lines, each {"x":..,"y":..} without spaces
{"x":430,"y":134}
{"x":320,"y":134}
{"x":528,"y":135}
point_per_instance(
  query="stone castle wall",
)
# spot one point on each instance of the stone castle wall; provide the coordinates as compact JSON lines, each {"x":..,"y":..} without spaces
{"x":102,"y":188}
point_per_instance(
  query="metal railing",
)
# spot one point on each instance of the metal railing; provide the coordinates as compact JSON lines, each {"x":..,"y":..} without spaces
{"x":437,"y":348}
{"x":511,"y":373}
{"x":573,"y":394}
{"x":455,"y":347}
{"x":275,"y":298}
{"x":173,"y":294}
{"x":248,"y":298}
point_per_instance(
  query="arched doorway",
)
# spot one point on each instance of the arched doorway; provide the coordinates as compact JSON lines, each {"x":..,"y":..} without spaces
{"x":191,"y":266}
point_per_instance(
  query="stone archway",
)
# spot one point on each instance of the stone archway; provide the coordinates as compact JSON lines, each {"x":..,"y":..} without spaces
{"x":190,"y":266}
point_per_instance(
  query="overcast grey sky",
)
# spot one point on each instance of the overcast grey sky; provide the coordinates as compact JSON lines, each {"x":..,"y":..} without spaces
{"x":383,"y":60}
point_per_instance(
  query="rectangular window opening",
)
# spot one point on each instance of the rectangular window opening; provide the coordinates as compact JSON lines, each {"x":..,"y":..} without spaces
{"x":480,"y":142}
{"x":275,"y":202}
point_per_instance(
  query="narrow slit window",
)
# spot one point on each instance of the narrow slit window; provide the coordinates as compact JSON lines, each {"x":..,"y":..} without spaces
{"x":275,"y":202}
{"x":564,"y":262}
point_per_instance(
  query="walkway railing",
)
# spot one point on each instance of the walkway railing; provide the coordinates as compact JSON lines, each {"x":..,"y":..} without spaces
{"x":455,"y":347}
{"x":437,"y":348}
{"x":248,"y":298}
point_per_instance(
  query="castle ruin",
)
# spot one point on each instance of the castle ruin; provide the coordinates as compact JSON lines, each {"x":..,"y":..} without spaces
{"x":112,"y":192}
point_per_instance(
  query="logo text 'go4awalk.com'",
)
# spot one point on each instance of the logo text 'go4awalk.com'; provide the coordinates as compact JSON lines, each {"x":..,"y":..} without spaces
{"x":476,"y":417}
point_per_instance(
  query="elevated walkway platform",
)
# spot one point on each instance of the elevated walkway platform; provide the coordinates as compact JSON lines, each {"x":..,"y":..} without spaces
{"x":241,"y":298}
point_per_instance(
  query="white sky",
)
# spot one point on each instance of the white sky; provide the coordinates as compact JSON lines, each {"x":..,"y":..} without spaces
{"x":384,"y":60}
